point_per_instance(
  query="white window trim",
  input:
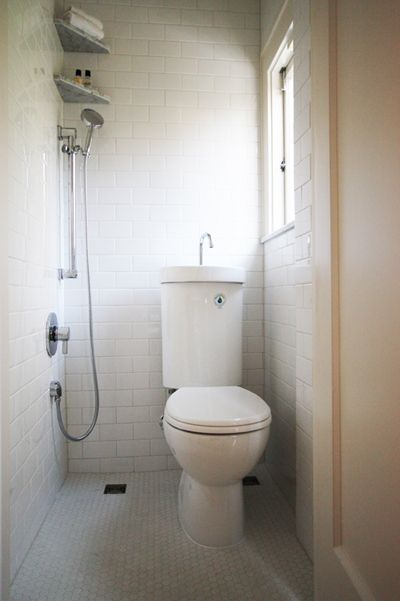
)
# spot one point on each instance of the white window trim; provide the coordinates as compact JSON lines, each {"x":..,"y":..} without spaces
{"x":286,"y":228}
{"x":276,"y":41}
{"x":289,"y":139}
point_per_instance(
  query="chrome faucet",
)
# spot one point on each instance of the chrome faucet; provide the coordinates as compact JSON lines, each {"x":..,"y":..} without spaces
{"x":205,"y":235}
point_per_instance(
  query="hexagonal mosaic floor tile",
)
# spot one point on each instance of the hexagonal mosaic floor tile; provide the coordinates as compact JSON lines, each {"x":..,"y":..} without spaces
{"x":130,"y":547}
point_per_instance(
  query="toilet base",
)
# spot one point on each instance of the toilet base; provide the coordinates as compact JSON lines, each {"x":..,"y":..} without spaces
{"x":212,"y":516}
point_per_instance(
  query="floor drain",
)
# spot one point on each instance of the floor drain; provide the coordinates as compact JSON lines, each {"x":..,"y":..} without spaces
{"x":250,"y":481}
{"x":115,"y":489}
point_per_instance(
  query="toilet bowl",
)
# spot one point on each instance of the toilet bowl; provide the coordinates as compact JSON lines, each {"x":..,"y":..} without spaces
{"x":216,"y":430}
{"x":217,"y":435}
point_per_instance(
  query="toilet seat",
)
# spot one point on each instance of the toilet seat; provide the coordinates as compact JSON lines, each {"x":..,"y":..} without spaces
{"x":217,"y":410}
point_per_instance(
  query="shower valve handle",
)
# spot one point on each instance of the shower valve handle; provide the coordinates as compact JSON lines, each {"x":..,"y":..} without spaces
{"x":63,"y":334}
{"x":54,"y":334}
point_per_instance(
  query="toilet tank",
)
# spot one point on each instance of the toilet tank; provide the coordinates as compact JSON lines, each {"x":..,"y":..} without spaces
{"x":201,"y":317}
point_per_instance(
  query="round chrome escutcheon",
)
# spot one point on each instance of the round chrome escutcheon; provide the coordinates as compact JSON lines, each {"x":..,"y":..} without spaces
{"x":219,"y":300}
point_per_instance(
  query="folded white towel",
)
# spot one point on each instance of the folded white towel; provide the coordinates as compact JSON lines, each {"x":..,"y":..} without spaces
{"x":81,"y":13}
{"x":84,"y":25}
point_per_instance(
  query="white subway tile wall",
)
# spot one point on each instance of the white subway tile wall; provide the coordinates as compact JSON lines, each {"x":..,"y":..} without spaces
{"x":177,"y":156}
{"x":288,"y":302}
{"x":303,"y":252}
{"x":280,"y":359}
{"x":38,"y":452}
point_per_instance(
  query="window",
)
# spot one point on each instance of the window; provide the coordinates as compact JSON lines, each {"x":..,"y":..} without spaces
{"x":278,"y":118}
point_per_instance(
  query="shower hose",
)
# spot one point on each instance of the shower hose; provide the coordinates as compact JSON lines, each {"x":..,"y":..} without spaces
{"x":94,"y":372}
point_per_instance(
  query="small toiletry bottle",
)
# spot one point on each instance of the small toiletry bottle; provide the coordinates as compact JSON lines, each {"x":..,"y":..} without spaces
{"x":88,"y":79}
{"x":78,"y":76}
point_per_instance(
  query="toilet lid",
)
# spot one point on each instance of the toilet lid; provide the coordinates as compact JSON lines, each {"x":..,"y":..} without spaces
{"x":217,"y":410}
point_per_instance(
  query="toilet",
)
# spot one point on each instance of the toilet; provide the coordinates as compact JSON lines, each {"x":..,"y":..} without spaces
{"x":216,"y":430}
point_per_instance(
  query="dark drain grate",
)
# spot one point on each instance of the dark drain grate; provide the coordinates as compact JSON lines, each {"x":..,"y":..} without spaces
{"x":115,"y":489}
{"x":250,"y":481}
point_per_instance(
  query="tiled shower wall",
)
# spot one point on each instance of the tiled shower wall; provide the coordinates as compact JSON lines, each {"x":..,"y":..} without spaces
{"x":280,"y":359}
{"x":303,"y":246}
{"x":38,"y":450}
{"x":288,"y":301}
{"x":177,"y":156}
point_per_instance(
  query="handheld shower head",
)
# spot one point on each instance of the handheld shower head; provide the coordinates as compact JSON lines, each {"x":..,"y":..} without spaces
{"x":91,"y":117}
{"x":93,"y":120}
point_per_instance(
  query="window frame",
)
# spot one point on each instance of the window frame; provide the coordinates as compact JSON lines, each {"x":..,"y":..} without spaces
{"x":288,"y":136}
{"x":277,"y":214}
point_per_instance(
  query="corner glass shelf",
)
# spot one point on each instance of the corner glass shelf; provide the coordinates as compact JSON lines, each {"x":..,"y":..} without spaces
{"x":74,"y":40}
{"x":70,"y":91}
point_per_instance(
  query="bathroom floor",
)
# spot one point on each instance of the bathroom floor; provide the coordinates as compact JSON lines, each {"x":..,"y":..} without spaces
{"x":130,"y":547}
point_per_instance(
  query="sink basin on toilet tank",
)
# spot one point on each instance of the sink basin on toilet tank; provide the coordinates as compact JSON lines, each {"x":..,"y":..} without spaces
{"x":201,"y":319}
{"x":202,"y":273}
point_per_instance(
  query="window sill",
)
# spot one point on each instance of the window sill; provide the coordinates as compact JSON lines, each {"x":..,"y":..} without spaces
{"x":282,"y":230}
